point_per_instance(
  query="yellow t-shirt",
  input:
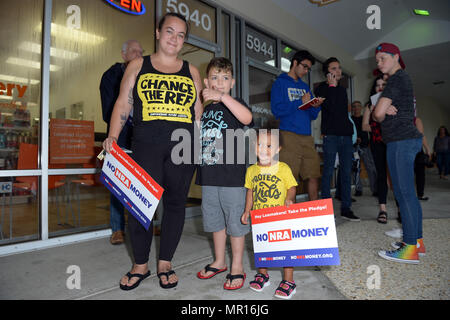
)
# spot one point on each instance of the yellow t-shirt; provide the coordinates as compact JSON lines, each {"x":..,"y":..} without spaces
{"x":269,"y":184}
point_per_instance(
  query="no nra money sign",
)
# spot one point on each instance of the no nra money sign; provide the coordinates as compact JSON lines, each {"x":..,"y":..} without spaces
{"x":303,"y":234}
{"x":129,"y":183}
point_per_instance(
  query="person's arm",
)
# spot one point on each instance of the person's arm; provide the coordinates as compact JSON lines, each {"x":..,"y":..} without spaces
{"x":248,"y":206}
{"x":384,"y":107}
{"x":107,"y":95}
{"x":198,"y":107}
{"x":366,"y":118}
{"x":290,"y":196}
{"x":279,"y":101}
{"x":241,"y":112}
{"x":124,"y":103}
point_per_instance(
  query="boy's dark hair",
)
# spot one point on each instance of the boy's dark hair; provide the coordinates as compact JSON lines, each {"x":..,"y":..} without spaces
{"x":271,"y":125}
{"x":176,"y":15}
{"x":326,"y":64}
{"x":221,"y":64}
{"x":301,"y":55}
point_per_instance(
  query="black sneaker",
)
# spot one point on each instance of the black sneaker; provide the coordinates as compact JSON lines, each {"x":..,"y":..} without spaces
{"x":349,"y":216}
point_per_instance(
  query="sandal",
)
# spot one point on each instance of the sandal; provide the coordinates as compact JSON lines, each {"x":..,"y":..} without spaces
{"x":134,"y":275}
{"x":210,"y":269}
{"x":289,"y":292}
{"x":261,"y":280}
{"x":232,"y":277}
{"x":167,"y":275}
{"x":382,"y":217}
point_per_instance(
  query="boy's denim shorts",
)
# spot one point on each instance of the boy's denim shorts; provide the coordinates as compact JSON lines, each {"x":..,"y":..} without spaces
{"x":222,"y":208}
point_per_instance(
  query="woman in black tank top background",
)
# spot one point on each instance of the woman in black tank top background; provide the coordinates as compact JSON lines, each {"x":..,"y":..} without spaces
{"x":164,"y":92}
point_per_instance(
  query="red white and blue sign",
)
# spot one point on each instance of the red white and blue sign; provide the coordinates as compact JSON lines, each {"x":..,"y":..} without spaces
{"x":129,"y":183}
{"x":135,"y":7}
{"x":303,"y":234}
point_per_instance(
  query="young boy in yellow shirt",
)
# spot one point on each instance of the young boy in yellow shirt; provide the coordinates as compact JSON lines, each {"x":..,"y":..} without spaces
{"x":270,"y":183}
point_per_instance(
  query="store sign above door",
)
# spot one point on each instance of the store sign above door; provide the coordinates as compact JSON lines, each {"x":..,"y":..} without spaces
{"x":134,"y":7}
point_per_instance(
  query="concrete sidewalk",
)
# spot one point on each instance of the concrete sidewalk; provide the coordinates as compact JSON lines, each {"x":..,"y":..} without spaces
{"x":44,"y":274}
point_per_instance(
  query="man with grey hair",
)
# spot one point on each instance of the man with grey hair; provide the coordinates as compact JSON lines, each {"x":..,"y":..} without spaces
{"x":109,"y":91}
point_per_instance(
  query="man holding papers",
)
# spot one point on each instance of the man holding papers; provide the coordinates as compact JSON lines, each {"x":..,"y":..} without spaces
{"x":289,"y":92}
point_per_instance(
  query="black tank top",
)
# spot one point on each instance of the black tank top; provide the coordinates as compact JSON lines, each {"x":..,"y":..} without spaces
{"x":163,"y":100}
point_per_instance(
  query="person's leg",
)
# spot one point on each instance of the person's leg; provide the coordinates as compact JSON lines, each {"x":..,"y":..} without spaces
{"x":345,"y":151}
{"x":140,"y":238}
{"x":232,"y":201}
{"x":367,"y":159}
{"x":379,"y":157}
{"x":356,"y":170}
{"x":309,"y":166}
{"x":329,"y":158}
{"x":419,"y":170}
{"x":214,"y":221}
{"x":177,"y":180}
{"x":440,"y":159}
{"x":447,"y":163}
{"x":401,"y":155}
{"x":313,"y":188}
{"x":290,"y":153}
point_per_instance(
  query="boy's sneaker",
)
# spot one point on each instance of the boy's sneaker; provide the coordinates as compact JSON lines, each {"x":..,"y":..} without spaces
{"x":421,"y":251}
{"x":406,"y":253}
{"x":395,"y":233}
{"x":349,"y":216}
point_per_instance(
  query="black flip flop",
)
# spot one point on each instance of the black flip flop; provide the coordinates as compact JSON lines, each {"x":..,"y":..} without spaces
{"x":134,"y":275}
{"x":382,"y":217}
{"x":167,"y":275}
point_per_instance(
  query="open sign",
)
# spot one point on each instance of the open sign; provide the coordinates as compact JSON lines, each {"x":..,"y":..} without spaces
{"x":135,"y":7}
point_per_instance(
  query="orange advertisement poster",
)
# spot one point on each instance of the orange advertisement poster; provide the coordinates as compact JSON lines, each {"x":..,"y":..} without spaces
{"x":71,"y":141}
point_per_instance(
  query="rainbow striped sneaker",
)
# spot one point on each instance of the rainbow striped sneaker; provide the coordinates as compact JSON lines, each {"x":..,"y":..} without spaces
{"x":406,"y":253}
{"x":420,"y":246}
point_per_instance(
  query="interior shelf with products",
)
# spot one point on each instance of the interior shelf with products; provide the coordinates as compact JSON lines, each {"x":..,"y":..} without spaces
{"x":15,"y":128}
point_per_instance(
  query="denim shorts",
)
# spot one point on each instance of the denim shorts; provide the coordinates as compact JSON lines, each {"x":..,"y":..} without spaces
{"x":222,"y":208}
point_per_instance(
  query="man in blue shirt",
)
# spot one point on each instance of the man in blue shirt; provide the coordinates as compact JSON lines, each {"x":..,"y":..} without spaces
{"x":288,"y":93}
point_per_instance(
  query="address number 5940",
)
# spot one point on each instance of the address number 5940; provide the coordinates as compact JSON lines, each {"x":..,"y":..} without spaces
{"x":180,"y":7}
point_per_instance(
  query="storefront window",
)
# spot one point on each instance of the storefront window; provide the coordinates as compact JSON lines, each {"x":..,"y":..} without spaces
{"x":260,"y":88}
{"x":20,"y":85}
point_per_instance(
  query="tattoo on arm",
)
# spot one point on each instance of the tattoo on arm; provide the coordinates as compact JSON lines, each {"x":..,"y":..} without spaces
{"x":123,"y":119}
{"x":130,"y":98}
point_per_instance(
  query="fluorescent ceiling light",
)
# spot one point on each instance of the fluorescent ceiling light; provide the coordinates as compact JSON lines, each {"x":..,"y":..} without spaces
{"x":54,"y":52}
{"x":29,"y":63}
{"x":285,"y":64}
{"x":420,"y":12}
{"x":76,"y":35}
{"x":9,"y":78}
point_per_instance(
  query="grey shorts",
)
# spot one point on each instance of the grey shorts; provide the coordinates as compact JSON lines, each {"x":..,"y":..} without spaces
{"x":222,"y":208}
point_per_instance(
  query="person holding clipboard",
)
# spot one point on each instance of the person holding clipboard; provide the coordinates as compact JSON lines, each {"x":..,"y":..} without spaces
{"x":291,"y":104}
